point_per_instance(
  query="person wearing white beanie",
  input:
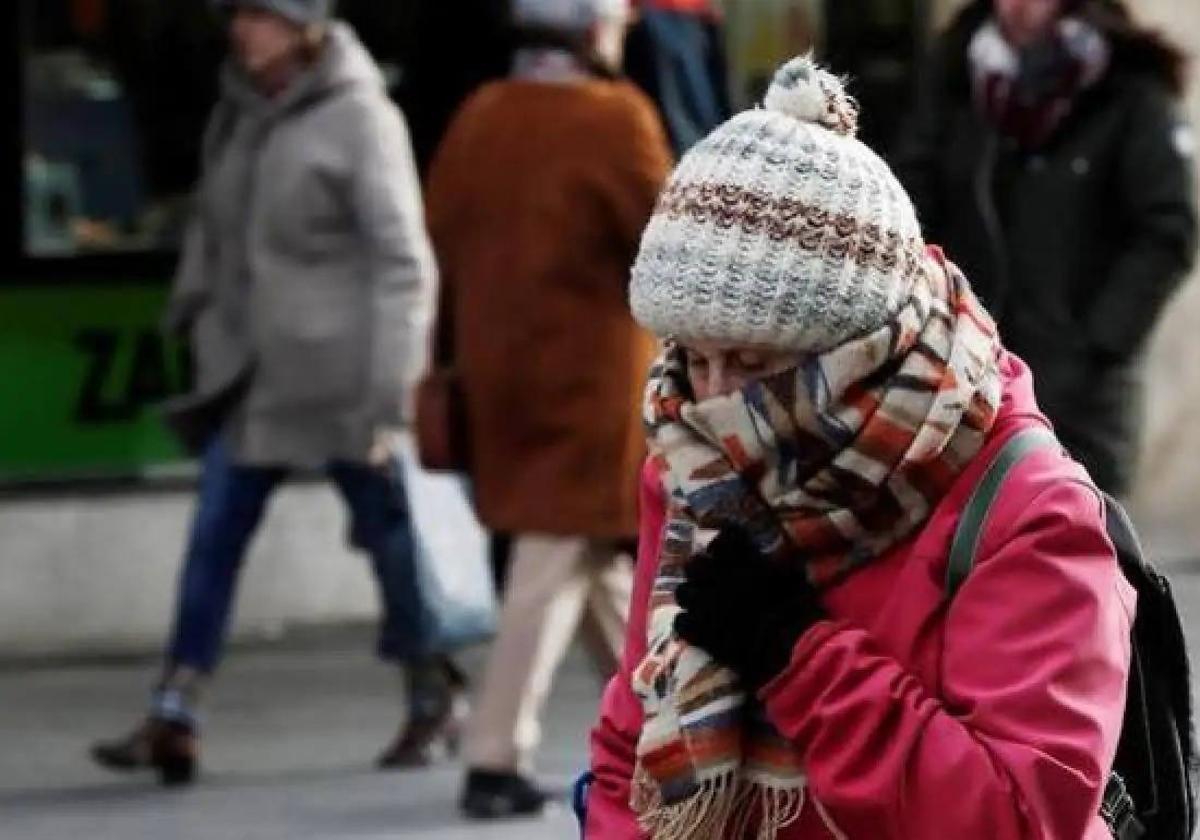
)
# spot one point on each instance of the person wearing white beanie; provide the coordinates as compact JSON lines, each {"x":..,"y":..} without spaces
{"x":829,"y":398}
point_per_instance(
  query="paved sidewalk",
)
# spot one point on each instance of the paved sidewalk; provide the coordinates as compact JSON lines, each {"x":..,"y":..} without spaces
{"x":288,"y":748}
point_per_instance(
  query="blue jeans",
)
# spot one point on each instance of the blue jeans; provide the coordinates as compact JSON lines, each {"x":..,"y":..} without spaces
{"x":230,"y":508}
{"x":679,"y":60}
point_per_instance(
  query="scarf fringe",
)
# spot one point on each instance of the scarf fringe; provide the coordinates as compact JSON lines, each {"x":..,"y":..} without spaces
{"x":725,"y":807}
{"x":830,"y":825}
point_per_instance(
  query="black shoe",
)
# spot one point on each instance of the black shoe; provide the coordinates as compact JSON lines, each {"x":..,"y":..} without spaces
{"x":489,"y":795}
{"x":170,"y":748}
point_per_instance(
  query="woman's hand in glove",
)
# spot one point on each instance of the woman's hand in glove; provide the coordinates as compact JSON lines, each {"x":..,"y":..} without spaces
{"x":745,"y":609}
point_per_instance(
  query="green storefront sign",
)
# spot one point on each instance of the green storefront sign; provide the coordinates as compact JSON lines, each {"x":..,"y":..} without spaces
{"x":82,"y":371}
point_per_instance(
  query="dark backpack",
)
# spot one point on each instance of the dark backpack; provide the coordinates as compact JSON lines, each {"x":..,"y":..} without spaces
{"x":1152,"y":791}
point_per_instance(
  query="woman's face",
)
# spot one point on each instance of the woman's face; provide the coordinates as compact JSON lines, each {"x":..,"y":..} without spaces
{"x":608,"y":41}
{"x":716,"y":370}
{"x":262,"y":41}
{"x":1025,"y":22}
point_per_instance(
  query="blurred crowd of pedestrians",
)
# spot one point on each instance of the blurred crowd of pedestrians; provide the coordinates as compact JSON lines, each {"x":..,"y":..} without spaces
{"x":320,"y":282}
{"x":308,"y":288}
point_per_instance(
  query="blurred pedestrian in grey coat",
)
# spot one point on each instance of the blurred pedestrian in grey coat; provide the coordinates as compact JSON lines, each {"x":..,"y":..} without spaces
{"x":307,"y":288}
{"x":1049,"y":157}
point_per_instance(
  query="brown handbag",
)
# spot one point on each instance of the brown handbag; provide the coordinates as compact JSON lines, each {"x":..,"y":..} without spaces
{"x":441,"y":421}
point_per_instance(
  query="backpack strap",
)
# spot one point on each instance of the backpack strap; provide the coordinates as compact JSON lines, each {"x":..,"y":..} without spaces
{"x":1117,"y":807}
{"x":1118,"y":811}
{"x":970,"y":526}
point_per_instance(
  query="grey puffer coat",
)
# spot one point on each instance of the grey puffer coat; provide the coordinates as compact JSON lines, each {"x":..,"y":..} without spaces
{"x":307,"y":272}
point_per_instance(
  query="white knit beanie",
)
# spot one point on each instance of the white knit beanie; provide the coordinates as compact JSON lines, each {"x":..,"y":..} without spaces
{"x":780,"y":229}
{"x":567,"y":15}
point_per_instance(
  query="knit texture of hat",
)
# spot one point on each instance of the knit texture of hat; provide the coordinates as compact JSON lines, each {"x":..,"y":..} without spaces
{"x":780,"y":229}
{"x":567,"y":15}
{"x":302,"y":12}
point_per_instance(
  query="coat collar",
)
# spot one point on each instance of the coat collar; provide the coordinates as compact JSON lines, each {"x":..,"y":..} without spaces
{"x":344,"y":63}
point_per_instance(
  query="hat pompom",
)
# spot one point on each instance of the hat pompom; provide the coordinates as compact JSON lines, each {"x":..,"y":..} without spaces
{"x":807,"y":92}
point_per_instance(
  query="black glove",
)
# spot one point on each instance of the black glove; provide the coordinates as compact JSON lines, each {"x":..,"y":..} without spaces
{"x":744,"y":609}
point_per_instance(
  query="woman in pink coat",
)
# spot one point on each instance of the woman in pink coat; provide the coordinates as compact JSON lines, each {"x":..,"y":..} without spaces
{"x":829,"y":395}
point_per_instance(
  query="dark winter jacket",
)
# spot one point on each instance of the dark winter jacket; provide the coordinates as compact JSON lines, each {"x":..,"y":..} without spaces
{"x":1075,"y":246}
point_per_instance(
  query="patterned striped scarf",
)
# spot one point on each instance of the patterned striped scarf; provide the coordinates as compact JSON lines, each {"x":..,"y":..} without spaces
{"x":828,"y":465}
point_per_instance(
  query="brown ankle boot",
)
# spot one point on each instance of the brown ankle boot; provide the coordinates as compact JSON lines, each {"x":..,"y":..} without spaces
{"x":169,"y":747}
{"x":424,"y":741}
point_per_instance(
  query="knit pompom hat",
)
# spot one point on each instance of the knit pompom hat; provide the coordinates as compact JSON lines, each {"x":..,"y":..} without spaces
{"x":779,"y":230}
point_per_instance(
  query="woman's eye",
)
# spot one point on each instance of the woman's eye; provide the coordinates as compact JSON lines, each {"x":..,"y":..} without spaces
{"x":751,"y":365}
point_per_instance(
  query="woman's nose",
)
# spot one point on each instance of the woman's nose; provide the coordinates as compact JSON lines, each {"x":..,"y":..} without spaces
{"x":720,"y":382}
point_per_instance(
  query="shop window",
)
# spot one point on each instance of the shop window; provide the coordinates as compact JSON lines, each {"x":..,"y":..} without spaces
{"x":115,"y":95}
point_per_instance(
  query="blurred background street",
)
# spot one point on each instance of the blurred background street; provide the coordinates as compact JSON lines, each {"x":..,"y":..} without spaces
{"x":294,"y":730}
{"x":180,"y":338}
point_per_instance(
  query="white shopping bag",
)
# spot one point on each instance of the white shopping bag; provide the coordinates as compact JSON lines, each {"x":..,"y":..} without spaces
{"x":452,"y":559}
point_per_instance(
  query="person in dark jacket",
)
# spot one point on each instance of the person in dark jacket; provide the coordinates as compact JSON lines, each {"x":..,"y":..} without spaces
{"x":1047,"y":154}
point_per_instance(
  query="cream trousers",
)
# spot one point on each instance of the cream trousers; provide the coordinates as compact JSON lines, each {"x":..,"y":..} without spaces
{"x":556,"y":585}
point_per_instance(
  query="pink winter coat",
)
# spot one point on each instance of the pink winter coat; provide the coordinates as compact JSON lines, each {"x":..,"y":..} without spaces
{"x":996,"y":717}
